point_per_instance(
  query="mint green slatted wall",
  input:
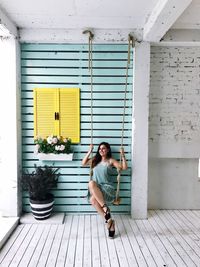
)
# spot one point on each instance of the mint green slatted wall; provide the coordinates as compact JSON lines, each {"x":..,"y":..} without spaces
{"x":64,"y":65}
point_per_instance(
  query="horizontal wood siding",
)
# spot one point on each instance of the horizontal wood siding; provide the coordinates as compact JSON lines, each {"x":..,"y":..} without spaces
{"x":63,"y":65}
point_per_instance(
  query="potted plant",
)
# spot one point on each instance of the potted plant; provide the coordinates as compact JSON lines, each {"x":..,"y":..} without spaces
{"x":53,"y":148}
{"x":39,"y":183}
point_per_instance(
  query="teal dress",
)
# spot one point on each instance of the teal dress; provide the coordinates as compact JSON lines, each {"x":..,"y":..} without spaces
{"x":102,"y":176}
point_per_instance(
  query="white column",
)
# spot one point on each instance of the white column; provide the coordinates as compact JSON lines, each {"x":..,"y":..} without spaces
{"x":10,"y":155}
{"x":140,"y":130}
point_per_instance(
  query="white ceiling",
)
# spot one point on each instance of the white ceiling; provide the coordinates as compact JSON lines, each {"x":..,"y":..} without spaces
{"x":52,"y":15}
{"x":190,"y":18}
{"x":70,"y":14}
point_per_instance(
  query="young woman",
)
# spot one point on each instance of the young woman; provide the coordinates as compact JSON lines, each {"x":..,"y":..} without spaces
{"x":101,"y":188}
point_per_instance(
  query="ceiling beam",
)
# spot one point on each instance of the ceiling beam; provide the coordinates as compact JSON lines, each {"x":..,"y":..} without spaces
{"x":7,"y":27}
{"x":163,"y":16}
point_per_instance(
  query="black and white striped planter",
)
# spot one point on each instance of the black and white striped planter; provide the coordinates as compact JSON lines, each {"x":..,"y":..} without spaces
{"x":41,"y":209}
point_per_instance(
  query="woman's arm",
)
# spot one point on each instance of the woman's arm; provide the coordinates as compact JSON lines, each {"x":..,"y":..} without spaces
{"x":123,"y":165}
{"x":86,"y":160}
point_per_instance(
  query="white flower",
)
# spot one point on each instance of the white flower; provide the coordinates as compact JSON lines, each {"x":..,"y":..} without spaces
{"x":50,"y":140}
{"x":57,"y":148}
{"x":65,"y":140}
{"x":54,"y":140}
{"x":62,"y":147}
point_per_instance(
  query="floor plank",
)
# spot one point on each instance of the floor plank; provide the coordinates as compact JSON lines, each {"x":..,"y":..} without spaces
{"x":96,"y":260}
{"x":16,"y":245}
{"x":133,"y":242}
{"x":155,"y":252}
{"x":64,"y":242}
{"x":120,"y":250}
{"x":176,"y":240}
{"x":24,"y":245}
{"x":40,"y":245}
{"x":55,"y":246}
{"x":112,"y":252}
{"x":10,"y":242}
{"x":105,"y":260}
{"x":47,"y":247}
{"x":80,"y":242}
{"x":72,"y":243}
{"x":168,"y":238}
{"x":87,"y":256}
{"x":125,"y":241}
{"x":145,"y":251}
{"x":159,"y":244}
{"x":32,"y":246}
{"x":171,"y":224}
{"x":187,"y":235}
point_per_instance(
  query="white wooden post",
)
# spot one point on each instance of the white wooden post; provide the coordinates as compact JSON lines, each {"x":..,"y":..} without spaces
{"x":140,"y":130}
{"x":10,"y":155}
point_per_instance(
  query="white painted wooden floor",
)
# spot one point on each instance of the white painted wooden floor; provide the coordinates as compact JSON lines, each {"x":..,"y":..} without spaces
{"x":167,"y":238}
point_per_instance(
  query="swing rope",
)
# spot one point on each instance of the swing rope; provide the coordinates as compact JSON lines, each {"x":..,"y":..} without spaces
{"x":131,"y":42}
{"x":90,"y":68}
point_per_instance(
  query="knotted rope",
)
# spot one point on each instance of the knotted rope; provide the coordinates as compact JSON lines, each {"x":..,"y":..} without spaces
{"x":131,"y":43}
{"x":90,"y":68}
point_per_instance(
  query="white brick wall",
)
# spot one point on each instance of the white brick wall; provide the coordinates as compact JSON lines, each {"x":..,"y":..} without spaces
{"x":174,"y":117}
{"x":174,"y":128}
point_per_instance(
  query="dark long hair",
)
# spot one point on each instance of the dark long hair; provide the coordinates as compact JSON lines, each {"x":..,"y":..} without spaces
{"x":97,"y":157}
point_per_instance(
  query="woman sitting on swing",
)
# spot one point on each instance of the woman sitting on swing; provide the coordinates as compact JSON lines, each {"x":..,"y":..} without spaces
{"x":101,"y":188}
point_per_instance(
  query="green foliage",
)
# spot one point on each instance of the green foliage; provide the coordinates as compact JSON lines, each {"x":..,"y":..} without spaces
{"x":40,"y":181}
{"x":53,"y":144}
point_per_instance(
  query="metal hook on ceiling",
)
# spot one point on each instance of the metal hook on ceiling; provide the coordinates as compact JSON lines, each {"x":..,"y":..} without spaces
{"x":131,"y":39}
{"x":91,"y":35}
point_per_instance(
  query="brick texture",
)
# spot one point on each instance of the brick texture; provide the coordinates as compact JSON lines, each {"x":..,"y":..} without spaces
{"x":174,"y":114}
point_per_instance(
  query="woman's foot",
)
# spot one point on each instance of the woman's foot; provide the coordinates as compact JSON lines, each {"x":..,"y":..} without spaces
{"x":106,"y":211}
{"x":111,"y":228}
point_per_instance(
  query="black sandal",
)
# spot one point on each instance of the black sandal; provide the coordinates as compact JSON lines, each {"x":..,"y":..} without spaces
{"x":107,"y":215}
{"x":111,"y":233}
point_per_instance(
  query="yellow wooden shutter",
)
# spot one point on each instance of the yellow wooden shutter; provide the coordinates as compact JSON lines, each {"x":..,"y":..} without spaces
{"x":69,"y":104}
{"x":45,"y":106}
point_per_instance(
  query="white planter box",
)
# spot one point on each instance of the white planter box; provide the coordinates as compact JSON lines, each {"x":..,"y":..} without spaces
{"x":55,"y":157}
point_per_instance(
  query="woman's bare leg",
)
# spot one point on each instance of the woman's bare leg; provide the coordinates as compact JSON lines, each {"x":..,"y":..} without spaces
{"x":96,"y":205}
{"x":97,"y":194}
{"x":97,"y":202}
